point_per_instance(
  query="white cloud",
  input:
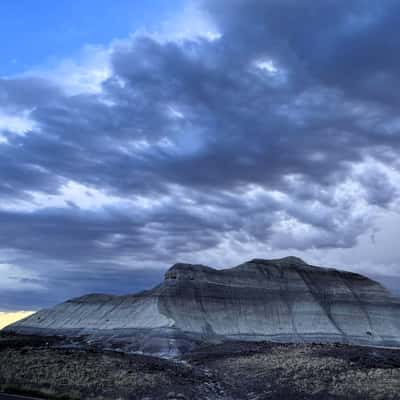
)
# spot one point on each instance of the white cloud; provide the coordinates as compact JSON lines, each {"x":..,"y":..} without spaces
{"x":82,"y":74}
{"x":16,"y":123}
{"x":75,"y":194}
{"x":189,"y":23}
{"x":267,"y":65}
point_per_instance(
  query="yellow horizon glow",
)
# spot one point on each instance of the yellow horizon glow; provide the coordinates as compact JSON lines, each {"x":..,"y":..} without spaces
{"x":7,"y":318}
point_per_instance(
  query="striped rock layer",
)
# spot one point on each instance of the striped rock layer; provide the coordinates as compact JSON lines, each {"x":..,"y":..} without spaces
{"x":283,"y":300}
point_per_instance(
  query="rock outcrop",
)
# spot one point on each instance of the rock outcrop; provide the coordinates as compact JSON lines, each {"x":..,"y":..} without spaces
{"x":282,"y":300}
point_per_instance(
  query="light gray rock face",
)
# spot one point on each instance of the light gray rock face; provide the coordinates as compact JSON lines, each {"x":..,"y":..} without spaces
{"x":283,"y":300}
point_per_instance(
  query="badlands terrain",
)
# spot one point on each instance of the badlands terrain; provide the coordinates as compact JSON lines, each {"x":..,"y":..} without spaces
{"x":283,"y":300}
{"x":266,"y":329}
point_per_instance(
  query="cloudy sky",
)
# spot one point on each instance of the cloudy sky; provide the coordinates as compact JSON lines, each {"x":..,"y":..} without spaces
{"x":208,"y":131}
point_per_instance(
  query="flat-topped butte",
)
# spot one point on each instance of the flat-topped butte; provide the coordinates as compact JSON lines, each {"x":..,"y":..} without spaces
{"x":282,"y":300}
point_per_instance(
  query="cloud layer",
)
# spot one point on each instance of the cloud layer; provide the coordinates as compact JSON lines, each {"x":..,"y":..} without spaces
{"x":276,"y":132}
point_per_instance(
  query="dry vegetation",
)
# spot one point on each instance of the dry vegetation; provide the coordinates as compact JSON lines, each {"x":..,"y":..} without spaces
{"x":272,"y":371}
{"x":229,"y":371}
{"x":75,"y":374}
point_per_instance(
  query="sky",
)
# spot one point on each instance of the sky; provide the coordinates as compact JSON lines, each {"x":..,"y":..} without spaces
{"x":42,"y":32}
{"x":7,"y":317}
{"x":134,"y":136}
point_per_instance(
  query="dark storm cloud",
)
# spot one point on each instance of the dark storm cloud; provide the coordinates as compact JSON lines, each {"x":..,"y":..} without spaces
{"x":66,"y":284}
{"x":287,"y":100}
{"x":28,"y":93}
{"x":73,"y":235}
{"x":347,"y":45}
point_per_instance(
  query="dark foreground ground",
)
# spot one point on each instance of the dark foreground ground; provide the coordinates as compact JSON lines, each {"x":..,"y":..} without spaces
{"x":236,"y":370}
{"x":7,"y":396}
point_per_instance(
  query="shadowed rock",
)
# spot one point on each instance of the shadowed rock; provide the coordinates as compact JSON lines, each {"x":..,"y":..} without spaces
{"x":283,"y":300}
